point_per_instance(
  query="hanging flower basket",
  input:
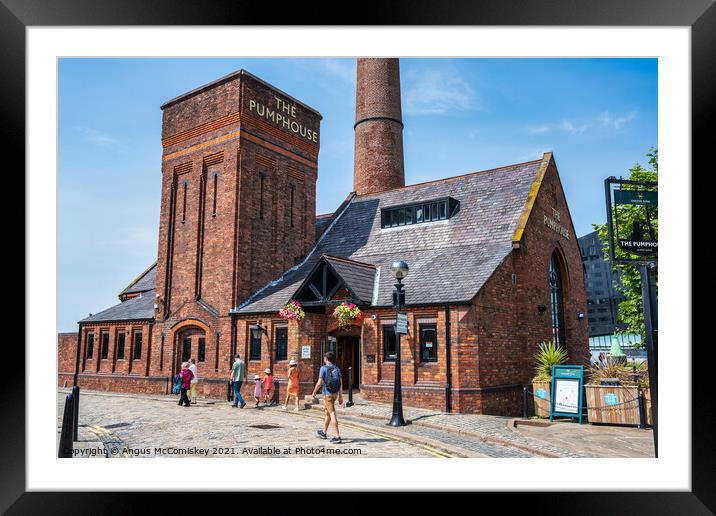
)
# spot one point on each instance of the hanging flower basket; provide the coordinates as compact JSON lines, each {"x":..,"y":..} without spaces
{"x":347,"y":314}
{"x":292,"y":310}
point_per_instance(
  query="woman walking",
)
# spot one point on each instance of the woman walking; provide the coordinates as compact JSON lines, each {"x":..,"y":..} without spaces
{"x":293,"y":383}
{"x":186,"y":376}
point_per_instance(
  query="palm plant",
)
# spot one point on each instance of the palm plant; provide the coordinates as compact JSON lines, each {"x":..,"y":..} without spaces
{"x":549,"y":354}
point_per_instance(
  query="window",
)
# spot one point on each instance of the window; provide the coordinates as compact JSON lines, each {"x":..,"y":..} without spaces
{"x":293,"y":190}
{"x":186,"y":349}
{"x":282,"y":343}
{"x":183,"y":212}
{"x":137,"y":345}
{"x":389,"y":343}
{"x":557,"y":301}
{"x":104,"y":351}
{"x":216,"y":181}
{"x":201,"y":352}
{"x":261,"y":197}
{"x":90,"y":345}
{"x":254,"y":347}
{"x":120,"y":345}
{"x":418,"y":213}
{"x":428,"y":343}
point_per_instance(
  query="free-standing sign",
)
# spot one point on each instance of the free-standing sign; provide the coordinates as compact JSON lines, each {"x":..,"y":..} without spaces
{"x":631,"y":218}
{"x":567,"y":382}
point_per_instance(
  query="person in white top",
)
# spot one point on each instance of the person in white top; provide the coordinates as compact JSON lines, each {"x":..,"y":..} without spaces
{"x":194,"y":380}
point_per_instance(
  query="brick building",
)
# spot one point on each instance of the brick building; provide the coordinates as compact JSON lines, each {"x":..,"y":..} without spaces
{"x":495,"y":267}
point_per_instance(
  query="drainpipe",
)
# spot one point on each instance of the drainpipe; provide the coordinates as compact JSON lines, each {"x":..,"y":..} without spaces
{"x":448,"y":373}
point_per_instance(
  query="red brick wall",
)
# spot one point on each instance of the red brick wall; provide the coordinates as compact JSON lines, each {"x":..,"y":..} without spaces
{"x":66,"y":355}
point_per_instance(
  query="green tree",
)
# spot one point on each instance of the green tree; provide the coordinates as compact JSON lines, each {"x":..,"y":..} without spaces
{"x":631,"y":311}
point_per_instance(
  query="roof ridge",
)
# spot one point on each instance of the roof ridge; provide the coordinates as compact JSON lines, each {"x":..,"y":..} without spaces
{"x":348,"y":260}
{"x":451,"y":178}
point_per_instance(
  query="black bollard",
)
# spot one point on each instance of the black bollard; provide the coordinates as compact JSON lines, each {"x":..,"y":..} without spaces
{"x":229,"y":390}
{"x":75,"y":412}
{"x":65,"y":451}
{"x":642,"y":411}
{"x":350,"y":403}
{"x":524,"y":403}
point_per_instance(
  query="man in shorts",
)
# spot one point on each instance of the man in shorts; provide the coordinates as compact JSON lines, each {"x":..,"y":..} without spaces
{"x":329,"y":381}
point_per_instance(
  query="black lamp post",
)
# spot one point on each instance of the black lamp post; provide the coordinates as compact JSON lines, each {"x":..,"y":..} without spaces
{"x":399,"y":270}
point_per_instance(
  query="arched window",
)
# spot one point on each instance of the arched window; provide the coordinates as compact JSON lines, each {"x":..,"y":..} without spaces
{"x":557,"y":300}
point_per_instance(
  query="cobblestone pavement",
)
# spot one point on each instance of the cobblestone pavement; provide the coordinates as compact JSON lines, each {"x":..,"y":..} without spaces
{"x":141,"y":422}
{"x":495,"y":430}
{"x":141,"y":426}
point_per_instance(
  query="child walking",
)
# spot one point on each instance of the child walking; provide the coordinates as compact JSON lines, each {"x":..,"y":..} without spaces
{"x":257,"y":389}
{"x":186,"y":376}
{"x":268,"y":386}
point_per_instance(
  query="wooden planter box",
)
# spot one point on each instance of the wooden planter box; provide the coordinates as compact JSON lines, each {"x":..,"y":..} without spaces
{"x":599,"y":410}
{"x":647,"y":402}
{"x":541,"y":405}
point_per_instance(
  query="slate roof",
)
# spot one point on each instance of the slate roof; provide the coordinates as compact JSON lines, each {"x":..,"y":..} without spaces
{"x":140,"y":307}
{"x":358,"y":277}
{"x":449,"y":260}
{"x":145,"y":282}
{"x":322,"y":222}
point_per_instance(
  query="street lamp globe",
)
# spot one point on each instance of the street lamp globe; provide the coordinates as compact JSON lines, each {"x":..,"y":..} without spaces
{"x":399,"y":269}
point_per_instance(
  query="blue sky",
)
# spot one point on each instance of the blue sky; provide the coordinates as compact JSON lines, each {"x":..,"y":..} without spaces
{"x":599,"y":117}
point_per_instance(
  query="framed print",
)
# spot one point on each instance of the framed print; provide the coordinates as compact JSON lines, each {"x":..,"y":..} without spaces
{"x":374,"y":238}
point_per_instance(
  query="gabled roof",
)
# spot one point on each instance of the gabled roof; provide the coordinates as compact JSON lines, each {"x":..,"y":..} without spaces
{"x":137,"y":308}
{"x":449,"y":260}
{"x":357,"y":277}
{"x":145,"y":282}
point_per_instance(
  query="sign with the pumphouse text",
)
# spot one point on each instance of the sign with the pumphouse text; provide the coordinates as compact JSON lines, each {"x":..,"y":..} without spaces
{"x":401,"y":324}
{"x":635,"y":229}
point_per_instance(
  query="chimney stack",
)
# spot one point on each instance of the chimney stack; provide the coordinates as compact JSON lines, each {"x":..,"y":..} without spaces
{"x":378,"y":161}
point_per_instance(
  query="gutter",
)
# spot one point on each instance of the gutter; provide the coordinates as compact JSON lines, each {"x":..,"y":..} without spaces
{"x":448,"y":370}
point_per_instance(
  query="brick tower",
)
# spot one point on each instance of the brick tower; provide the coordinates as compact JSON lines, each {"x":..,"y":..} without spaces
{"x":378,"y":162}
{"x":239,"y":169}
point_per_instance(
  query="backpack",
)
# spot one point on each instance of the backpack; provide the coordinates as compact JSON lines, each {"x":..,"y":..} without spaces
{"x":333,"y":379}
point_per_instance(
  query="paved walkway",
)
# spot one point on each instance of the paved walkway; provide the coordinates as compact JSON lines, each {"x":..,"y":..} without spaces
{"x":141,"y":422}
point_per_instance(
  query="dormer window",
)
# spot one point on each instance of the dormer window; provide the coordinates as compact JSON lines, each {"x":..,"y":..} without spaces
{"x":418,"y":213}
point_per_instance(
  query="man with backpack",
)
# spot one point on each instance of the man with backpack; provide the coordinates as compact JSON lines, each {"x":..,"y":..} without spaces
{"x":329,"y":381}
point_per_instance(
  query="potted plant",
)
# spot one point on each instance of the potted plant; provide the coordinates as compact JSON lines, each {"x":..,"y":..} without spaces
{"x":347,"y":314}
{"x":549,"y":354}
{"x":292,"y":310}
{"x":613,"y":392}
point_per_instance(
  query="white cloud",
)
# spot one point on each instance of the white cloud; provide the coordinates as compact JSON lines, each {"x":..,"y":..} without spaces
{"x":436,"y":92}
{"x":617,"y":122}
{"x":97,"y":137}
{"x":565,"y":125}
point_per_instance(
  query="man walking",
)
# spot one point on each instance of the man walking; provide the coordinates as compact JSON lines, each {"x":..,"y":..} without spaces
{"x":194,"y":380}
{"x":329,"y":381}
{"x":238,"y":370}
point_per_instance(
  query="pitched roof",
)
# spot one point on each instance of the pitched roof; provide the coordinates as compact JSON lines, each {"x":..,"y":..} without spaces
{"x":449,"y":260}
{"x":145,"y":282}
{"x":137,"y":308}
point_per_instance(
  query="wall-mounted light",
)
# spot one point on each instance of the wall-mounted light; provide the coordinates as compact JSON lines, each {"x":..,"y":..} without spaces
{"x":257,"y":329}
{"x":541,"y":308}
{"x":580,"y":315}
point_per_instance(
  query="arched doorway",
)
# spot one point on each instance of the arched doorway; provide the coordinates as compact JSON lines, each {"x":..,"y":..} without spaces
{"x":345,"y":344}
{"x":190,"y":343}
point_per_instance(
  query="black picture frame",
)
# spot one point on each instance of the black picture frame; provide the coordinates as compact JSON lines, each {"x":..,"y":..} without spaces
{"x":700,"y":15}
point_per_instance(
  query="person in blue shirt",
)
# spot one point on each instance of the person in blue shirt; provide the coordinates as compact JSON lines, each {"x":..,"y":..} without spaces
{"x":330,"y":383}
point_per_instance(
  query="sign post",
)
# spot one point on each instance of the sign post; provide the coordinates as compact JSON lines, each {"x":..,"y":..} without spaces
{"x":566,"y":399}
{"x":631,"y":229}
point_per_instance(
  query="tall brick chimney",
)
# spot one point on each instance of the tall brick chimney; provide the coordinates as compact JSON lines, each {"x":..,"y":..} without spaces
{"x":378,"y":161}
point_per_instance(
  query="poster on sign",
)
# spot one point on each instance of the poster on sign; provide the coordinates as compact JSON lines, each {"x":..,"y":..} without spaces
{"x":567,"y":396}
